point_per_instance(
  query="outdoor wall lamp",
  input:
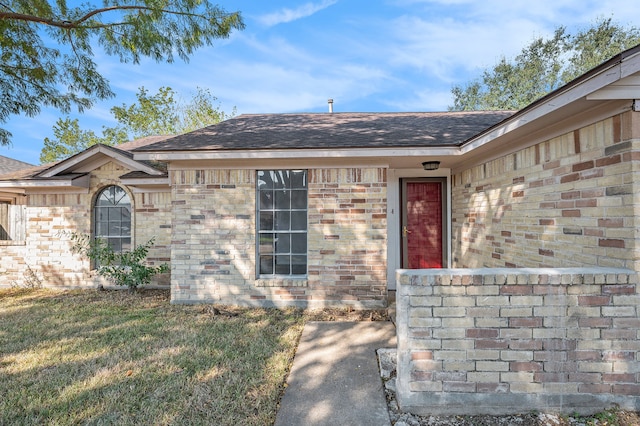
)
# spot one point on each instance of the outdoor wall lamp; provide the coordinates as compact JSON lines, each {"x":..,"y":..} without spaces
{"x":431,"y":165}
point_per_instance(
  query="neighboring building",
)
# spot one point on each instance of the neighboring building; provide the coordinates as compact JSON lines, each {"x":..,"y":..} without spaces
{"x":322,"y":209}
{"x":8,"y":165}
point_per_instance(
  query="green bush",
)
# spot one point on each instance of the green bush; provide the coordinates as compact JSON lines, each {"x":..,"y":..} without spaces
{"x":127,"y":268}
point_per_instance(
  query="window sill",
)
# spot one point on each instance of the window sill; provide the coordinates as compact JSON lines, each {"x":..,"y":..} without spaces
{"x":282,"y":282}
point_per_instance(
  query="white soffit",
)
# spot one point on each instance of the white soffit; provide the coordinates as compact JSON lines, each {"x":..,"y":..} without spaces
{"x":81,"y":181}
{"x":626,"y":88}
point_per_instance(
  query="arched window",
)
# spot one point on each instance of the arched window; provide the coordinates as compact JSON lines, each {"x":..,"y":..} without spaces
{"x":112,"y":217}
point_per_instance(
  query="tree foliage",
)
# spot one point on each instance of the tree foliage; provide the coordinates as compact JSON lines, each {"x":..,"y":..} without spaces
{"x":47,"y":47}
{"x":543,"y":66}
{"x":163,"y":113}
{"x":127,"y":268}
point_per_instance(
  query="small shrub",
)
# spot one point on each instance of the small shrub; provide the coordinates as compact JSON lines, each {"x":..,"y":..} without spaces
{"x":31,"y":280}
{"x":127,"y":268}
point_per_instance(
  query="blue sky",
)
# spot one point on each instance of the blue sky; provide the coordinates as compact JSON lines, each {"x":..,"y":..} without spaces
{"x":368,"y":55}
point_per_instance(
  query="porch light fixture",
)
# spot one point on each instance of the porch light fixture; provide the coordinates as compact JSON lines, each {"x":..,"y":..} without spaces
{"x":431,"y":165}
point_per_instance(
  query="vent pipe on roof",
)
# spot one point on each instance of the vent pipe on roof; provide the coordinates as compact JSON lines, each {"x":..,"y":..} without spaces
{"x":330,"y":101}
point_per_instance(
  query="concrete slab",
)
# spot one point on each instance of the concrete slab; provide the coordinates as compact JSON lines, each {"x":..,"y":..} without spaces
{"x":334,"y":379}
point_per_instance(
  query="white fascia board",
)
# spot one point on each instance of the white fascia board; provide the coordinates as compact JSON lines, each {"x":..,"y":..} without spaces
{"x":296,"y":154}
{"x":77,"y":160}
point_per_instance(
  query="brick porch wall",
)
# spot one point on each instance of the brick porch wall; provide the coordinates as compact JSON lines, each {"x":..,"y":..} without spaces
{"x":569,"y":201}
{"x":45,"y":255}
{"x":499,"y":341}
{"x":214,"y":240}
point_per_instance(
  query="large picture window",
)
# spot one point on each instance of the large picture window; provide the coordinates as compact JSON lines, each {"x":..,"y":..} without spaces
{"x":282,"y":222}
{"x":112,"y":218}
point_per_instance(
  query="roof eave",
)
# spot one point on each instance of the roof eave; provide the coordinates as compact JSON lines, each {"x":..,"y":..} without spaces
{"x":272,"y":154}
{"x":618,"y":67}
{"x":75,"y":182}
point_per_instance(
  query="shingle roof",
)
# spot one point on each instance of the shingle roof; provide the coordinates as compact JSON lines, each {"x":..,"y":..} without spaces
{"x":334,"y":130}
{"x":8,"y":165}
{"x":32,"y":171}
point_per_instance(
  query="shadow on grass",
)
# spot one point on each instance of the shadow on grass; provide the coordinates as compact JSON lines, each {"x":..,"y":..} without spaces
{"x":112,"y":357}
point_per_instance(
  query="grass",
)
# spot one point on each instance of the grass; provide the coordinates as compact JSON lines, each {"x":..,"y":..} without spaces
{"x":88,"y":357}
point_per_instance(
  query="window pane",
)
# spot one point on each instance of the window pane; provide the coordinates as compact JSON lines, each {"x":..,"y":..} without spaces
{"x":283,"y":243}
{"x":299,"y":243}
{"x":126,"y":229}
{"x":280,"y":179}
{"x":266,"y":221}
{"x":115,"y":215}
{"x":283,"y":265}
{"x":102,"y":228}
{"x":115,"y":229}
{"x":115,"y":243}
{"x":266,"y":243}
{"x":298,"y":221}
{"x":102,"y":214}
{"x":126,"y":244}
{"x":283,"y":220}
{"x":283,"y":200}
{"x":266,"y":200}
{"x":298,"y":179}
{"x":264,"y":180}
{"x":298,"y":199}
{"x":266,"y":265}
{"x":298,"y":265}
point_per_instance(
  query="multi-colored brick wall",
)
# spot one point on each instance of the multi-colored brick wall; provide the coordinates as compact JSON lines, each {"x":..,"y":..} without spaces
{"x":568,"y":201}
{"x":496,"y":341}
{"x":214,"y":240}
{"x":45,"y":256}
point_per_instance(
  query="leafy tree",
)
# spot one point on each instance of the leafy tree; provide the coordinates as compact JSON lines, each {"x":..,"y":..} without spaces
{"x":161,"y":114}
{"x":543,"y":66}
{"x":46,"y":46}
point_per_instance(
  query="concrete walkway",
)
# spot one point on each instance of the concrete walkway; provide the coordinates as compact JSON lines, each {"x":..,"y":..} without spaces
{"x":334,"y":379}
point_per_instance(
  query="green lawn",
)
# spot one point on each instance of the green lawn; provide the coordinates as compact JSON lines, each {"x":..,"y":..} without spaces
{"x":89,"y":357}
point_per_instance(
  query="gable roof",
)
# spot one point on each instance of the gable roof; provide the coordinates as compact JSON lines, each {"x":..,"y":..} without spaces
{"x":333,"y":130}
{"x":74,"y":171}
{"x":8,"y":165}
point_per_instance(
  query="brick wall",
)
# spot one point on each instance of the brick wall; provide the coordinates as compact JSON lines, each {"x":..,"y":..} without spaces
{"x":45,"y":256}
{"x":569,"y":201}
{"x":214,"y":240}
{"x":492,"y":341}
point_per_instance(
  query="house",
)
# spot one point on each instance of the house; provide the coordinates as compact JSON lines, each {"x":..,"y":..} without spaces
{"x":511,"y":237}
{"x":9,"y":165}
{"x":319,"y":209}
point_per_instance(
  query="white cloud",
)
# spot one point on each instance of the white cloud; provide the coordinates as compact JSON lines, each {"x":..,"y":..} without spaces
{"x":288,"y":15}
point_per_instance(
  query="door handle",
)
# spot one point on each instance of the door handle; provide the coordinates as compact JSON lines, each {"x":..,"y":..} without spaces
{"x":405,"y":231}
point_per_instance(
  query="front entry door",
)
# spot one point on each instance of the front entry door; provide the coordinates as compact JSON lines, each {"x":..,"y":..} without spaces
{"x":423,"y":243}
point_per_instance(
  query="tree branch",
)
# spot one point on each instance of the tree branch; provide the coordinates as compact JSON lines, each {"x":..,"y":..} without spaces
{"x":78,"y":22}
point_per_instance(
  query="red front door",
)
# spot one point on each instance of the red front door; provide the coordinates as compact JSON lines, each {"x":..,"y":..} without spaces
{"x":422,"y":227}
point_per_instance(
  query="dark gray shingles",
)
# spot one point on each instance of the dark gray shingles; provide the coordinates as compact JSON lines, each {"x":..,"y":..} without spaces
{"x":337,"y":130}
{"x":8,"y":165}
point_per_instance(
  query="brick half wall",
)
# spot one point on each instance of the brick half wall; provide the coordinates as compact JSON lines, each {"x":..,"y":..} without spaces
{"x":501,"y":341}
